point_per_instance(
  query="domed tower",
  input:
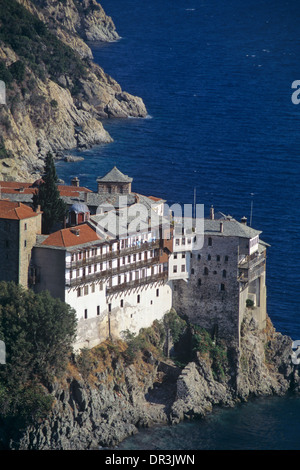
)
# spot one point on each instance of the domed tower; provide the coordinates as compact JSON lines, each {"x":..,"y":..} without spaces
{"x":78,"y":213}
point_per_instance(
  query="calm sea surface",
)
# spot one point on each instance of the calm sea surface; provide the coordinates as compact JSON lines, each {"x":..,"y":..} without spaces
{"x":216,"y":79}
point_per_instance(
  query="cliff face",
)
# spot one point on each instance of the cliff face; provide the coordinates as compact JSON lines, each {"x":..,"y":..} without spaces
{"x":56,"y":96}
{"x":117,"y":400}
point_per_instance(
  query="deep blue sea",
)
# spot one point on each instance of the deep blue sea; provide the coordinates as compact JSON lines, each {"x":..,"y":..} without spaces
{"x":216,"y":79}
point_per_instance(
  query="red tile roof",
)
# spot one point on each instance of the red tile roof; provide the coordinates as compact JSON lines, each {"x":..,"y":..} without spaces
{"x":11,"y":187}
{"x":72,"y":236}
{"x":15,"y":210}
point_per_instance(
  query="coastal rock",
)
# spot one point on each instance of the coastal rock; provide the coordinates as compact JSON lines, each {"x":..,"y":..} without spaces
{"x":74,"y":22}
{"x":72,"y":158}
{"x":60,"y":113}
{"x":103,"y":409}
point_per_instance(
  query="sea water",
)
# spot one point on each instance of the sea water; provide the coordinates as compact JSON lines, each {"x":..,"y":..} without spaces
{"x":216,"y":77}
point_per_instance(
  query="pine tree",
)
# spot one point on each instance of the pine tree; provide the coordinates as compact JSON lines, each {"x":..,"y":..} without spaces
{"x":48,"y":198}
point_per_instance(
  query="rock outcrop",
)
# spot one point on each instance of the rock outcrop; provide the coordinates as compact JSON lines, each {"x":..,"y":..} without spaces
{"x":48,"y":110}
{"x":113,"y":403}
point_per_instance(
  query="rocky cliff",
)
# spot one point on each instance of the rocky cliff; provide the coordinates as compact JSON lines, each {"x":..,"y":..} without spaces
{"x":110,"y":399}
{"x":56,"y":96}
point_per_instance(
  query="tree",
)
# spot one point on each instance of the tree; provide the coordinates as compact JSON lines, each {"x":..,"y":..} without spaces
{"x":38,"y":332}
{"x":48,"y":198}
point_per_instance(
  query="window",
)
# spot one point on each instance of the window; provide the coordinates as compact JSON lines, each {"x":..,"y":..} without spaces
{"x":25,"y":226}
{"x":138,"y":299}
{"x":174,"y":269}
{"x":109,"y":308}
{"x":157,"y":292}
{"x":183,"y":255}
{"x":98,"y":310}
{"x":199,"y":257}
{"x":183,"y":268}
{"x":224,"y":273}
{"x":192,"y":271}
{"x":209,"y":241}
{"x":206,"y":271}
{"x":93,"y":288}
{"x":101,"y":286}
{"x":209,"y":257}
{"x":86,"y":290}
{"x":218,"y":257}
{"x":199,"y":282}
{"x":85,"y":313}
{"x":122,"y":303}
{"x":79,"y":292}
{"x":226,"y":259}
{"x":175,"y":255}
{"x":222,"y":287}
{"x":177,"y":242}
{"x":25,"y":243}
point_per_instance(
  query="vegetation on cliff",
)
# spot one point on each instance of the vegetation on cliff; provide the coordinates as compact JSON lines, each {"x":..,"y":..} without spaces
{"x":38,"y":332}
{"x":36,"y":47}
{"x":56,"y":96}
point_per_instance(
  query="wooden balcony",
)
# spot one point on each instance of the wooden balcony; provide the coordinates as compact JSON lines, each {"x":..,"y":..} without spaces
{"x":113,"y":271}
{"x":87,"y":261}
{"x":160,"y":277}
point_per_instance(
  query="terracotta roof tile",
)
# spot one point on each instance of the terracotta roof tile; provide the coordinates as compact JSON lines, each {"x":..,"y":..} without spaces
{"x":72,"y":236}
{"x":15,"y":210}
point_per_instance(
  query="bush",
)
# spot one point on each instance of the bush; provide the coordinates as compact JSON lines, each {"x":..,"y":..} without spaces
{"x":36,"y":46}
{"x":38,"y":332}
{"x":202,"y":343}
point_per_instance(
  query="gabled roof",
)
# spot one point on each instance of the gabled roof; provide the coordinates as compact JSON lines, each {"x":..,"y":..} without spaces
{"x":115,"y":176}
{"x":231,"y":228}
{"x":72,"y":236}
{"x":15,"y":210}
{"x":17,"y":187}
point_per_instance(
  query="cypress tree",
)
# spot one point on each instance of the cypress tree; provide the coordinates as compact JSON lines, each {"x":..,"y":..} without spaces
{"x":48,"y":198}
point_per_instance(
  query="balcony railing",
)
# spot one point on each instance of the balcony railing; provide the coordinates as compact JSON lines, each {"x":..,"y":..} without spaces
{"x":113,"y":271}
{"x":87,"y":261}
{"x":137,"y":282}
{"x":251,"y":261}
{"x":251,"y":274}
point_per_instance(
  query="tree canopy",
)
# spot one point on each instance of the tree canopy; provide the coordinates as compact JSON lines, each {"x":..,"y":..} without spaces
{"x":38,"y":332}
{"x":48,"y":197}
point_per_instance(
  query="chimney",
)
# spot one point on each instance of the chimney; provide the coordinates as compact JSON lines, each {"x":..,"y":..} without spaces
{"x":212,"y":213}
{"x":221,"y":227}
{"x":244,"y":220}
{"x":75,"y":182}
